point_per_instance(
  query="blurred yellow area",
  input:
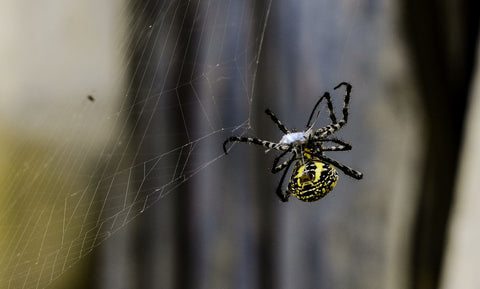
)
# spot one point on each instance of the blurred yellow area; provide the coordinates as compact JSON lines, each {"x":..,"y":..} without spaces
{"x":56,"y":57}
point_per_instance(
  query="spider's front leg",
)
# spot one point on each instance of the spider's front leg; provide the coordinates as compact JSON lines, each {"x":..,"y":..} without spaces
{"x":275,"y":119}
{"x":332,"y":128}
{"x":331,"y":112}
{"x":257,"y":141}
{"x":346,"y":100}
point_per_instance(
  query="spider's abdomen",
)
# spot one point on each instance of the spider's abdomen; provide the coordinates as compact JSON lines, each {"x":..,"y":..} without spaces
{"x":312,"y":180}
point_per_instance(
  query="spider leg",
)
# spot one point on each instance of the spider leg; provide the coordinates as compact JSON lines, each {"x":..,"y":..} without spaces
{"x":339,"y":148}
{"x":274,"y":118}
{"x":332,"y":128}
{"x":346,"y":169}
{"x":284,"y":195}
{"x":257,"y":141}
{"x":278,"y":167}
{"x":325,"y":96}
{"x":346,"y":100}
{"x":342,"y":146}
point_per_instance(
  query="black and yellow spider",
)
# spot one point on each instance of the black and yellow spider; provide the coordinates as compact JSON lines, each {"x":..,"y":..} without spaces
{"x":314,"y":175}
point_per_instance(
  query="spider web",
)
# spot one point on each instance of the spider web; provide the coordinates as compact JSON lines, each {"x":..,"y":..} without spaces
{"x":76,"y":156}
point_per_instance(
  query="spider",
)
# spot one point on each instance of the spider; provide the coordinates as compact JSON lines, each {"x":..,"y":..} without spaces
{"x":314,"y":174}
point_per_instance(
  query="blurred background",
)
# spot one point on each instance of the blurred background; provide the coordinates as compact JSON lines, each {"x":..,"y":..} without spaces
{"x":113,"y":115}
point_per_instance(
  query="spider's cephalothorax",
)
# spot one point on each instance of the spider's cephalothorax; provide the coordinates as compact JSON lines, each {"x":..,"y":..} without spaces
{"x":314,"y":174}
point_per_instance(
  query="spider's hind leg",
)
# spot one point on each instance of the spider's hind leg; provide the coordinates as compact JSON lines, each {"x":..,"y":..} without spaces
{"x":284,"y":195}
{"x":344,"y":168}
{"x":278,"y":167}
